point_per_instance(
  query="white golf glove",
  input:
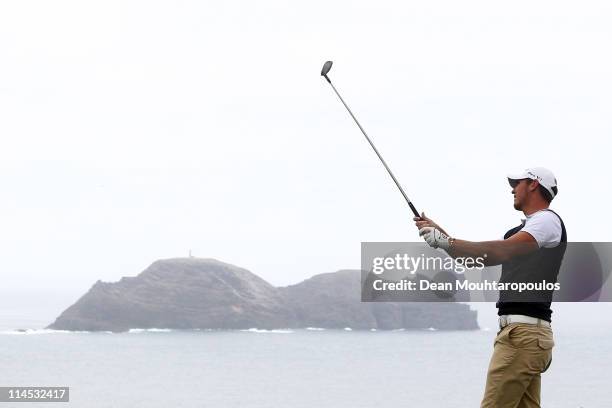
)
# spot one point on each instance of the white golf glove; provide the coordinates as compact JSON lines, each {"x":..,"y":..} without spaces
{"x":435,"y":238}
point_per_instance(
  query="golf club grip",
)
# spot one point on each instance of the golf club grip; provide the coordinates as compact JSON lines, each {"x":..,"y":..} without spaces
{"x":414,"y":210}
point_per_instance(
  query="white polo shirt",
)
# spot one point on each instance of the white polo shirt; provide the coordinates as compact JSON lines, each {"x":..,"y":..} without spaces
{"x":545,"y":227}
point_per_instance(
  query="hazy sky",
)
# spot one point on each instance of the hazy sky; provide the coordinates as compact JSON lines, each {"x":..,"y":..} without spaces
{"x":138,"y":130}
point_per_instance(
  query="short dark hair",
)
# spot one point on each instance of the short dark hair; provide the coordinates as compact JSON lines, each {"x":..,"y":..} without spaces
{"x":546,"y":194}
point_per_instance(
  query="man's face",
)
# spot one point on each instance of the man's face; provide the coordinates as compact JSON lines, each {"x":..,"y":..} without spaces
{"x":520,"y":191}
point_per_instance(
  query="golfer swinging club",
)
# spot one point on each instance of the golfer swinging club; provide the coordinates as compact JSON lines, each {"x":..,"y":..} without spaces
{"x":530,"y":252}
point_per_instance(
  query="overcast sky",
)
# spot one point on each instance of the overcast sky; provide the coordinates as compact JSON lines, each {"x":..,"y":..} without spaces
{"x":138,"y":130}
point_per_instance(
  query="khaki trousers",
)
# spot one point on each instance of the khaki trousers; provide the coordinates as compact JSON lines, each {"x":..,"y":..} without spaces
{"x":521,"y":352}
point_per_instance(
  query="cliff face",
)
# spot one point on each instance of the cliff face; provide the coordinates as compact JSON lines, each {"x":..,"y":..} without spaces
{"x":182,"y":293}
{"x":333,"y":300}
{"x":189,"y":293}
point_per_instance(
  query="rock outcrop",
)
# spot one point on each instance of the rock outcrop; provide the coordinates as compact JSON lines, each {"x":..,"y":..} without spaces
{"x":192,"y":293}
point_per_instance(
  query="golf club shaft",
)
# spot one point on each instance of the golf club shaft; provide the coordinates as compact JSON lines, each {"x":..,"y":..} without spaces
{"x":414,"y":210}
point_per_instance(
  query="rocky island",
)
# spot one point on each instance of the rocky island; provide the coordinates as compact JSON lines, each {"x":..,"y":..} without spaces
{"x":194,"y":293}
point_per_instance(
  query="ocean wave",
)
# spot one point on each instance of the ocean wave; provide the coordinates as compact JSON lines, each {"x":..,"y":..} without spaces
{"x":38,"y":331}
{"x":151,"y":330}
{"x":255,"y":330}
{"x":315,"y":328}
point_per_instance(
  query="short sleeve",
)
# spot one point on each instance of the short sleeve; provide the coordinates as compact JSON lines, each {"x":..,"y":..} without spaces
{"x":545,"y":227}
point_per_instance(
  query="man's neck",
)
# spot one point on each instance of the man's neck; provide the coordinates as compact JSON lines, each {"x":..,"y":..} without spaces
{"x":535,"y":207}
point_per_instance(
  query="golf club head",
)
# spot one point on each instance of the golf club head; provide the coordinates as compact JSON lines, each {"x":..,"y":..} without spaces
{"x":326,"y":67}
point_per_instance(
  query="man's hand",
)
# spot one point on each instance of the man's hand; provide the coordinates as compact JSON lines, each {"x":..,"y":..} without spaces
{"x":435,"y":238}
{"x":423,"y":221}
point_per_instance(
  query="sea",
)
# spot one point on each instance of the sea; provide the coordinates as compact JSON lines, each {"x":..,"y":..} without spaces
{"x":306,"y":368}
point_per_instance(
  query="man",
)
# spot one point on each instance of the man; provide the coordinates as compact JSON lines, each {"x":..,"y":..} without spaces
{"x":530,"y":252}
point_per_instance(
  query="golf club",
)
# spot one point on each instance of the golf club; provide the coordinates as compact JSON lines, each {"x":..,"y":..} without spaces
{"x":326,"y":67}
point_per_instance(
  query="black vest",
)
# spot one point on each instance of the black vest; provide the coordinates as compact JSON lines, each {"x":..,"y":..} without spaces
{"x":537,"y":266}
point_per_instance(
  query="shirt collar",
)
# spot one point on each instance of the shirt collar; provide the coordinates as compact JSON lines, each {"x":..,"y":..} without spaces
{"x":530,"y":215}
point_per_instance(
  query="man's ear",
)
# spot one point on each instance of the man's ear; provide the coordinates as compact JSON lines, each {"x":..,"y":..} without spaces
{"x":534,"y":185}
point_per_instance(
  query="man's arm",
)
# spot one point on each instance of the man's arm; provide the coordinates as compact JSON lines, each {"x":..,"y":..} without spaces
{"x":496,"y":252}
